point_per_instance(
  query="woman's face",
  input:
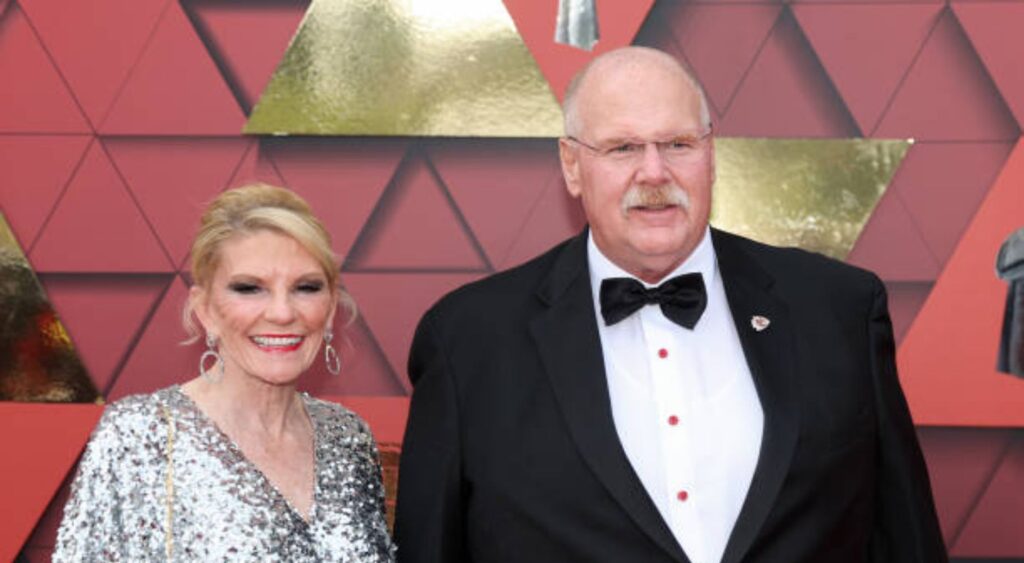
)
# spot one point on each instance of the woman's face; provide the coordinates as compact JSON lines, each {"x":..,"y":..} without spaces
{"x":267,"y":304}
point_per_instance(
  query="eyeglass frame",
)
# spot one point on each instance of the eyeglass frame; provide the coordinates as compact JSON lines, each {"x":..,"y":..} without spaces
{"x":659,"y":146}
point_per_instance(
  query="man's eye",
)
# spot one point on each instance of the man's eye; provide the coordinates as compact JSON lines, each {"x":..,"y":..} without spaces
{"x":681,"y":144}
{"x":244,"y":288}
{"x":626,"y":148}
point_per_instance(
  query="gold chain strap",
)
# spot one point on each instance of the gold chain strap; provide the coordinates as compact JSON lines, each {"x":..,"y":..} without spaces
{"x":169,"y":483}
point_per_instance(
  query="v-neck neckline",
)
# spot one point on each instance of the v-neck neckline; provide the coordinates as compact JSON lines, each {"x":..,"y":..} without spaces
{"x":273,"y":493}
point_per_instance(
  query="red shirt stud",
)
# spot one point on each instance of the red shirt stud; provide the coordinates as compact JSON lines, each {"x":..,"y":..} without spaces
{"x":682,"y":496}
{"x":673,"y":420}
{"x":663,"y":353}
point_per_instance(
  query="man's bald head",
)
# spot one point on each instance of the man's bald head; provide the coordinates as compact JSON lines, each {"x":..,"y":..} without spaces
{"x":622,"y":64}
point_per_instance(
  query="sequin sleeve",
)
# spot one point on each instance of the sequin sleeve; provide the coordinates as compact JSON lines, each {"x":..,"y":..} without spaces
{"x":99,"y":518}
{"x":353,"y":483}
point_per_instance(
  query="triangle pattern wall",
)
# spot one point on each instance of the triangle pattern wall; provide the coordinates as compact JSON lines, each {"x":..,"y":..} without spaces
{"x":119,"y":120}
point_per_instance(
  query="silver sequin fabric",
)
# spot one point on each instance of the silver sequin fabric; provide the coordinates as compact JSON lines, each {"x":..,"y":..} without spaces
{"x":224,"y":508}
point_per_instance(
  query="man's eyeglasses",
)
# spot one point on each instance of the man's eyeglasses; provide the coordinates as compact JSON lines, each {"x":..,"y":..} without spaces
{"x":682,"y":149}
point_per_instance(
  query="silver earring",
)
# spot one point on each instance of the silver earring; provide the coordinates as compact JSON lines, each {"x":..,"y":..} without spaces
{"x":218,"y":362}
{"x":331,"y":357}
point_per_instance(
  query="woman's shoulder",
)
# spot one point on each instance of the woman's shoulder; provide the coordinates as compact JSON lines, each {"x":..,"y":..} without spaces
{"x":336,"y":420}
{"x":333,"y":412}
{"x":136,"y":414}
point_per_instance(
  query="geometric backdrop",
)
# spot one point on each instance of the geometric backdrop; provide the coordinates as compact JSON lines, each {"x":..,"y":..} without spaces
{"x":119,"y":119}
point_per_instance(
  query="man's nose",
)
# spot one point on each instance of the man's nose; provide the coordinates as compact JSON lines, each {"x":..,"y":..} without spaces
{"x":652,"y":166}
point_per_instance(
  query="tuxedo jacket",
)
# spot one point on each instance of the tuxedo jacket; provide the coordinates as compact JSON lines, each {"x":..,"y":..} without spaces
{"x":511,"y":453}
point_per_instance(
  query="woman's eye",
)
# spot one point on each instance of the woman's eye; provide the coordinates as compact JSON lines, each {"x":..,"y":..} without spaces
{"x":310,"y":287}
{"x":244,"y":288}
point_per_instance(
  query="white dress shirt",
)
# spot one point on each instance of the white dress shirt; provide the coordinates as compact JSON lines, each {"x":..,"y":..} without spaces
{"x":684,"y":405}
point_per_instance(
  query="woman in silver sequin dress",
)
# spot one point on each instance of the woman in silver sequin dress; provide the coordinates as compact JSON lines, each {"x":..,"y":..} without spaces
{"x":235,"y":465}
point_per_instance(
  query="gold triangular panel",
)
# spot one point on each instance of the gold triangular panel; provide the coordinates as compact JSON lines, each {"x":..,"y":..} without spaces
{"x":814,"y":194}
{"x":38,"y":362}
{"x":455,"y":68}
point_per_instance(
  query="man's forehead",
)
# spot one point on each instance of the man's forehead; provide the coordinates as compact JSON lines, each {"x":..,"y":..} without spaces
{"x":660,"y":110}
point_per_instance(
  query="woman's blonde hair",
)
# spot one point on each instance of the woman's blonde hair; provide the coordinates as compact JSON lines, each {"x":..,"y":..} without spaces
{"x":249,"y":209}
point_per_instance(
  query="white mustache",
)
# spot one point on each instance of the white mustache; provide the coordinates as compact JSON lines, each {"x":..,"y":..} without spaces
{"x":656,"y":196}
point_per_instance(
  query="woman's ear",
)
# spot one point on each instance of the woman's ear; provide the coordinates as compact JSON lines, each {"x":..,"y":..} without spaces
{"x":199,"y":299}
{"x":335,"y":300}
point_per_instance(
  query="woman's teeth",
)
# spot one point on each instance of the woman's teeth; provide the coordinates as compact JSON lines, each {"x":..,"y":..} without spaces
{"x":276,"y":341}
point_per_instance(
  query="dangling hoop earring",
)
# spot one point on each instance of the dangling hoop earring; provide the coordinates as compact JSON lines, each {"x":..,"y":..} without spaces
{"x":218,"y":362}
{"x":331,"y":357}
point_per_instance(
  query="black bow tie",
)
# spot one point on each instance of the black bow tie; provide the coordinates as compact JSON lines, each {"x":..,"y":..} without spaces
{"x":682,"y":298}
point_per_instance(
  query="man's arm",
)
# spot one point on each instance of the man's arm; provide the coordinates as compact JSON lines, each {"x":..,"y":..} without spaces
{"x":429,"y":521}
{"x":906,"y":528}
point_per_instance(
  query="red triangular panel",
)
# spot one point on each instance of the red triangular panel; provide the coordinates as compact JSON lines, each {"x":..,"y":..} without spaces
{"x":102,"y":340}
{"x":946,"y":95}
{"x":175,"y":89}
{"x":364,"y":369}
{"x":554,"y":218}
{"x":341,"y":178}
{"x":96,"y":226}
{"x":617,"y":24}
{"x":159,"y":359}
{"x":496,"y":185}
{"x":41,"y":443}
{"x":95,"y":44}
{"x":942,"y":185}
{"x":994,"y":528}
{"x":34,"y":96}
{"x":415,"y":227}
{"x":247,"y":40}
{"x":39,"y":546}
{"x":960,"y":463}
{"x":33,"y":171}
{"x":891,"y":245}
{"x":719,"y":41}
{"x":994,"y":28}
{"x":786,"y":93}
{"x":866,"y":49}
{"x":947,"y":361}
{"x":392,"y":305}
{"x":174,"y":179}
{"x":905,"y":301}
{"x":256,"y":166}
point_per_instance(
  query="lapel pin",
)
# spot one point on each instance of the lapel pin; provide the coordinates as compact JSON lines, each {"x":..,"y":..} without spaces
{"x":759,"y":323}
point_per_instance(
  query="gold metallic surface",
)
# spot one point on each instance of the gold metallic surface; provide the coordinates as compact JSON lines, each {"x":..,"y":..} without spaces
{"x":814,"y":194}
{"x":407,"y":67}
{"x":38,"y":362}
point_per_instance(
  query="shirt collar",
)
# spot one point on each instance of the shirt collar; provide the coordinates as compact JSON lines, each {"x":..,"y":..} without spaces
{"x":701,"y":260}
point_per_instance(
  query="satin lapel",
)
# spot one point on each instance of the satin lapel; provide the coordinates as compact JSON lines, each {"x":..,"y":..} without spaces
{"x":567,"y":338}
{"x":770,"y":355}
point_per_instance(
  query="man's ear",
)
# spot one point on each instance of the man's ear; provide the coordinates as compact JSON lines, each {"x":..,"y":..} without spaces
{"x":570,"y":166}
{"x":711,"y":155}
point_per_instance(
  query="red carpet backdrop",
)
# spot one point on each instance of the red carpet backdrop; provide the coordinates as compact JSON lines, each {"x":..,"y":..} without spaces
{"x":119,"y":119}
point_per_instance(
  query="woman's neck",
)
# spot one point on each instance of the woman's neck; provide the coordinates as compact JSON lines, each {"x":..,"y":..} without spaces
{"x":244,"y":404}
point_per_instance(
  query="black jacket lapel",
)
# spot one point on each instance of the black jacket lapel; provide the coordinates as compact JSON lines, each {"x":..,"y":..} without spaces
{"x":770,"y":355}
{"x":567,"y":338}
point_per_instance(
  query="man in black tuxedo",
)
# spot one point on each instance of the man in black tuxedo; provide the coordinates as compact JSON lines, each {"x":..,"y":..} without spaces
{"x":653,"y":389}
